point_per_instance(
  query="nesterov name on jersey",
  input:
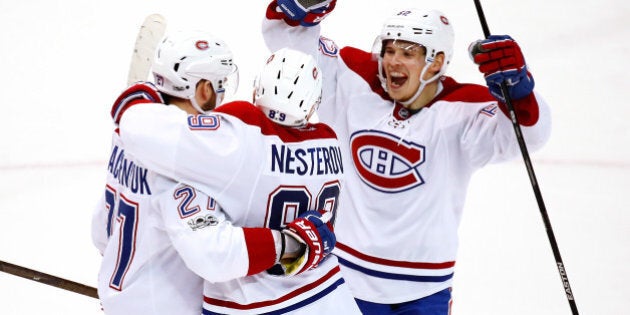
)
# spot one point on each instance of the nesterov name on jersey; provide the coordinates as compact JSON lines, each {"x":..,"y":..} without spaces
{"x":305,"y":161}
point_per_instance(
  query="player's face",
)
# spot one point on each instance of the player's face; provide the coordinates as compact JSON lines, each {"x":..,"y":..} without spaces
{"x":403,"y":63}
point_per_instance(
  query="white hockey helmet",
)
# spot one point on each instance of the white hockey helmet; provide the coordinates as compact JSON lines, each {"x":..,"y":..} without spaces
{"x":289,"y":87}
{"x":430,"y":29}
{"x":182,"y":59}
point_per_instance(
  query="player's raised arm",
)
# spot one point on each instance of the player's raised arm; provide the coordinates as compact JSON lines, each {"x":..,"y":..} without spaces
{"x":295,"y":24}
{"x":500,"y":59}
{"x":303,"y":12}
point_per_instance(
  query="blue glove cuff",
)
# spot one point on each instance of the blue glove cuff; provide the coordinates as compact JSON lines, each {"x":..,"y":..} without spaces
{"x":328,"y":237}
{"x":519,"y":83}
{"x":291,"y":9}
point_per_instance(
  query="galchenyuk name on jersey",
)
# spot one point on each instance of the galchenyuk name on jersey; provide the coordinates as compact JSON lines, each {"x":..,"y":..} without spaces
{"x":306,"y":161}
{"x":128,"y":173}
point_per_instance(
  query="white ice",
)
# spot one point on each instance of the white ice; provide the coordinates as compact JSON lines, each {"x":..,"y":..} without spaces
{"x":63,"y":62}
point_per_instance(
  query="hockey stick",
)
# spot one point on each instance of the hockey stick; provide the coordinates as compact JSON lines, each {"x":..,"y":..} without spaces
{"x":149,"y":36}
{"x":532,"y":176}
{"x":48,"y":279}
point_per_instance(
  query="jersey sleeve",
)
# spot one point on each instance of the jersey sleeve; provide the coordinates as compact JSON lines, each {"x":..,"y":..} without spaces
{"x":490,"y":137}
{"x":99,"y":225}
{"x":278,"y":34}
{"x":207,"y":241}
{"x":184,"y":147}
{"x":103,"y":210}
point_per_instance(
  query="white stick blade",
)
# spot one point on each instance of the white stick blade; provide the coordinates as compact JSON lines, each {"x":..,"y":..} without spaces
{"x":150,"y":34}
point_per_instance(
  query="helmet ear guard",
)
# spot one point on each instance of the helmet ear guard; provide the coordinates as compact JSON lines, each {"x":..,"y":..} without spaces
{"x":289,"y":87}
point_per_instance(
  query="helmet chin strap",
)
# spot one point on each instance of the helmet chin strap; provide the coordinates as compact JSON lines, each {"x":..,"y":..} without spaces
{"x":196,"y":106}
{"x":423,"y":84}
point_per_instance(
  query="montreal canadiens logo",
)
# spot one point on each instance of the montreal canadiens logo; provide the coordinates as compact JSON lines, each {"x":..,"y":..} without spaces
{"x":202,"y":45}
{"x":270,"y":58}
{"x":385,"y":163}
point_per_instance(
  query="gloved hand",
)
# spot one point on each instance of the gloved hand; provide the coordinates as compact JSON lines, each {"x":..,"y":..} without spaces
{"x":138,"y":93}
{"x":316,"y":239}
{"x":306,"y":12}
{"x":500,"y":60}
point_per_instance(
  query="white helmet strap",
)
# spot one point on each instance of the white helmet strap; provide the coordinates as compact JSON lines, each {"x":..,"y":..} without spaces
{"x":423,"y":84}
{"x":196,"y":105}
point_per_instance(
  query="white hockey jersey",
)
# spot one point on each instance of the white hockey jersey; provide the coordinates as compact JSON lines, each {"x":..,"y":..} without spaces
{"x":141,"y":272}
{"x":407,"y":173}
{"x":263,"y":175}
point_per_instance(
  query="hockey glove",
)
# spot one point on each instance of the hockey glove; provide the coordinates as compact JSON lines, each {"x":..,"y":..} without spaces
{"x":138,"y":93}
{"x":306,"y":12}
{"x":316,"y":238}
{"x":500,"y":60}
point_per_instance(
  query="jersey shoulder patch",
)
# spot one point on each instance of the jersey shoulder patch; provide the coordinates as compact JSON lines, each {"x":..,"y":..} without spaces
{"x":328,"y":47}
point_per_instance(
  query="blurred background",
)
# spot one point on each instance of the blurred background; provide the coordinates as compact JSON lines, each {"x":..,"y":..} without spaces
{"x":62,"y":63}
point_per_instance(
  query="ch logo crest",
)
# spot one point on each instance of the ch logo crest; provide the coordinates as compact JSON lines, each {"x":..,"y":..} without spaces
{"x":386,"y":163}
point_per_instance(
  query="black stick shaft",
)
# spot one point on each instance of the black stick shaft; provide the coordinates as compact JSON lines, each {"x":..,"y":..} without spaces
{"x":532,"y":177}
{"x":48,"y":279}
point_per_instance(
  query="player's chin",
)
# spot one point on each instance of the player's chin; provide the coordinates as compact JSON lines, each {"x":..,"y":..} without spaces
{"x":397,"y":94}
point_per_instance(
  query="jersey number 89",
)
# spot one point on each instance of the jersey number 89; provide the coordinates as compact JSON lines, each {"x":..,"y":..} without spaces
{"x":287,"y":202}
{"x":278,"y":116}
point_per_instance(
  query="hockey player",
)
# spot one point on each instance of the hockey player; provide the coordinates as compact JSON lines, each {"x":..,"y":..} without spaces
{"x":266,"y":166}
{"x":142,"y":272}
{"x":411,"y":137}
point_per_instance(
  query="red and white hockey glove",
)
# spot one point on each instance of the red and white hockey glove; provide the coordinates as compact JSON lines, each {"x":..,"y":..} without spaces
{"x":138,"y":93}
{"x":500,"y":60}
{"x":300,"y":12}
{"x":316,"y":238}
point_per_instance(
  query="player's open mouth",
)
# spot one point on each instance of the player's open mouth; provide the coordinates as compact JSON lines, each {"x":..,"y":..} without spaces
{"x":397,"y":79}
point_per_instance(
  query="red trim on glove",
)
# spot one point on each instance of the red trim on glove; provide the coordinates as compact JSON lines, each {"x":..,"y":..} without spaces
{"x":500,"y":55}
{"x":527,"y":111}
{"x":261,"y":249}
